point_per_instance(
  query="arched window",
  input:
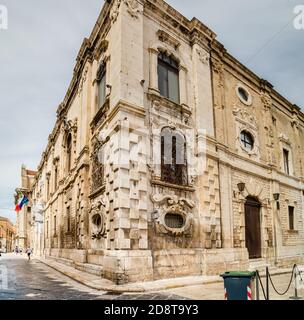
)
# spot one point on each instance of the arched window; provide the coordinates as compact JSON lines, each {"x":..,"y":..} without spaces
{"x":69,"y":151}
{"x":168,"y":77}
{"x":173,"y":157}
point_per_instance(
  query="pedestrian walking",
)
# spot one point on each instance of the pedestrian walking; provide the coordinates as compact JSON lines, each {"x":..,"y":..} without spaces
{"x":29,"y":251}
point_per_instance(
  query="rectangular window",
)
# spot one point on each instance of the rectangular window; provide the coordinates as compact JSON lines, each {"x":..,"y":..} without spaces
{"x":68,"y":219}
{"x":168,"y":78}
{"x":56,"y":178}
{"x":286,"y":161}
{"x":55,"y":225}
{"x":48,"y":188}
{"x":47,"y":229}
{"x":101,"y":78}
{"x":291,"y":218}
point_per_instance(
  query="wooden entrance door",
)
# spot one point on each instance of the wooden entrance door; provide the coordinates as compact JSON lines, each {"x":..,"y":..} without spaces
{"x":253,"y":228}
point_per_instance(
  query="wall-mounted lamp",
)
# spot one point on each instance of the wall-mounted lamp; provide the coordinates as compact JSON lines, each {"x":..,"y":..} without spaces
{"x":276,"y":197}
{"x":241,"y":186}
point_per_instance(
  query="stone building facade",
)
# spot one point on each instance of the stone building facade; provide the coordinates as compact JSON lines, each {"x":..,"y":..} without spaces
{"x":7,"y":235}
{"x":167,"y":155}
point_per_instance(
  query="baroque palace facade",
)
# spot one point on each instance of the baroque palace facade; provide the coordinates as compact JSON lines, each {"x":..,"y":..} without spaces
{"x":169,"y":157}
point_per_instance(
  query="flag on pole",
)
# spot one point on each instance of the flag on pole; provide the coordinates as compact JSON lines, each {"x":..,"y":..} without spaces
{"x":20,"y":205}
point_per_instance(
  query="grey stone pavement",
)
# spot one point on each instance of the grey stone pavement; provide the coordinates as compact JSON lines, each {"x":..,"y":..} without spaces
{"x":21,"y":279}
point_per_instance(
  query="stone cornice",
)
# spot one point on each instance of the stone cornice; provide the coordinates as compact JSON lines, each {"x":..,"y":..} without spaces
{"x":220,"y":54}
{"x":86,"y":53}
{"x":194,"y":30}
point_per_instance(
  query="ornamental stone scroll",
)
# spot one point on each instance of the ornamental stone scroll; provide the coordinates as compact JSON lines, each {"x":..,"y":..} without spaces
{"x":97,"y":220}
{"x":173,"y":215}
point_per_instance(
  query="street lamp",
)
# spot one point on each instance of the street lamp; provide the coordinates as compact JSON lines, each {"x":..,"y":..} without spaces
{"x":276,"y":197}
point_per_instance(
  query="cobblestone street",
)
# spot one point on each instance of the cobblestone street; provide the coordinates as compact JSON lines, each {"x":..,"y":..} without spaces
{"x":32,"y":280}
{"x":21,"y":279}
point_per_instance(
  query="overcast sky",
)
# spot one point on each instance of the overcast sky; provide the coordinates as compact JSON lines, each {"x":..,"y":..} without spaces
{"x":38,"y":51}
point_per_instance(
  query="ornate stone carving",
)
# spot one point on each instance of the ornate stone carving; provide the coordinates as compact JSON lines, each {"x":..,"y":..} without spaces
{"x":217,"y":66}
{"x":245,"y":121}
{"x":270,"y":146}
{"x":100,"y":50}
{"x":168,"y":39}
{"x":97,"y":166}
{"x":284,"y":138}
{"x":115,"y":11}
{"x":83,"y":80}
{"x":203,"y":56}
{"x":69,"y":125}
{"x":133,"y":8}
{"x":178,"y":207}
{"x":98,"y":219}
{"x":245,"y":117}
{"x":266,"y":99}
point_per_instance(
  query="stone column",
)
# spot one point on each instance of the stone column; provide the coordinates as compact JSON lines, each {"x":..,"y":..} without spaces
{"x":183,"y":86}
{"x":153,"y":85}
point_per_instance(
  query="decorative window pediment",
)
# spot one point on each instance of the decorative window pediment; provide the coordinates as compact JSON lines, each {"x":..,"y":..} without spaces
{"x":168,"y":39}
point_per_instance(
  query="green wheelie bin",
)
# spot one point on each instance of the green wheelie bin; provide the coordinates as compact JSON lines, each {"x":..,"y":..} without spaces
{"x":239,"y":285}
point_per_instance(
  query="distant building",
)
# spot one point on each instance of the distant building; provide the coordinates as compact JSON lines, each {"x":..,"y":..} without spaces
{"x":7,"y":235}
{"x":24,"y":223}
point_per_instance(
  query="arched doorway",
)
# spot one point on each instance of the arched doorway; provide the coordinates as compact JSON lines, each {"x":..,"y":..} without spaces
{"x":253,"y":227}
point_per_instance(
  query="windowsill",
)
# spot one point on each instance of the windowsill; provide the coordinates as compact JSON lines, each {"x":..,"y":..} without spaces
{"x":98,"y":191}
{"x":293,"y":231}
{"x":155,"y":96}
{"x":100,"y":113}
{"x":172,"y":185}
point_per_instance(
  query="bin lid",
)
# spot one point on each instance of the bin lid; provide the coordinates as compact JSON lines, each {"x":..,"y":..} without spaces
{"x":238,"y":274}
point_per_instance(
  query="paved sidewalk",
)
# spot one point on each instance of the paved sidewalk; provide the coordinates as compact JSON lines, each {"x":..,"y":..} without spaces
{"x":215,"y":291}
{"x":196,"y":288}
{"x":97,"y":283}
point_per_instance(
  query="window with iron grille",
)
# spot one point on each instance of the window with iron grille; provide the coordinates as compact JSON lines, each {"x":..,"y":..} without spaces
{"x":174,"y":221}
{"x":173,"y":157}
{"x":168,"y":77}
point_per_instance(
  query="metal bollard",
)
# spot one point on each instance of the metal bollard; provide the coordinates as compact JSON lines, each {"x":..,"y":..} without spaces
{"x":257,"y":288}
{"x":295,"y":297}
